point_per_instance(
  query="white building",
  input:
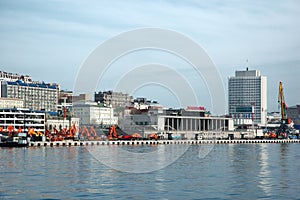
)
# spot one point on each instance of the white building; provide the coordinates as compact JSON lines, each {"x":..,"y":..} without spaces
{"x":36,"y":95}
{"x":22,"y":119}
{"x":58,"y":124}
{"x":91,"y":113}
{"x":7,"y":76}
{"x":11,"y":103}
{"x":247,"y":95}
{"x":181,"y":123}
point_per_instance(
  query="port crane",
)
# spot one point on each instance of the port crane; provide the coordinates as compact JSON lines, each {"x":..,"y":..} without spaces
{"x":286,"y":129}
{"x":283,"y":106}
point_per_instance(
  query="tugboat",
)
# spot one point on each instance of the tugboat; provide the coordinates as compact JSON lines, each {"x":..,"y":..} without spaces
{"x":16,"y":141}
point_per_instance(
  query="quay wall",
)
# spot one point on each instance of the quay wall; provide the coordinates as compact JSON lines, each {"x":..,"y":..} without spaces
{"x":156,"y":142}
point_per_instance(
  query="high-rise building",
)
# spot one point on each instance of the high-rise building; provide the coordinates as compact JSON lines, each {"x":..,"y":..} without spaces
{"x":36,"y":95}
{"x":247,"y":97}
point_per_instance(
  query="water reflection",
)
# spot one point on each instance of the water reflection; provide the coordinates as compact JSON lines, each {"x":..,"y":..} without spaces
{"x":242,"y":170}
{"x":132,"y":162}
{"x":237,"y":171}
{"x":160,"y":179}
{"x":283,"y":162}
{"x":264,"y":173}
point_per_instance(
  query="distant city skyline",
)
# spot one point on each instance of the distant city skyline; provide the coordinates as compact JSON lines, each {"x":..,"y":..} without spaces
{"x":49,"y":40}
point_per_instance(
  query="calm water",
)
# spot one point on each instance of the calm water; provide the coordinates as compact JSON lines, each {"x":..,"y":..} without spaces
{"x":229,"y":171}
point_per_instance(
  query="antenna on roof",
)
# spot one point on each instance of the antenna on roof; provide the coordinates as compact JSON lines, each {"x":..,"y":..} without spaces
{"x":247,"y":64}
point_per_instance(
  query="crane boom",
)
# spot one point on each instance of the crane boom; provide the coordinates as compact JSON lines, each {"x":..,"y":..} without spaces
{"x":281,"y":102}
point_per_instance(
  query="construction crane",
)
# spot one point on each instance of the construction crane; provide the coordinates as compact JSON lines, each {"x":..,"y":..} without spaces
{"x":282,"y":105}
{"x":286,"y":129}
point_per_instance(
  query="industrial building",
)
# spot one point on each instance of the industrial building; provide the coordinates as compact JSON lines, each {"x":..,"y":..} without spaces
{"x":293,"y":112}
{"x":247,"y":97}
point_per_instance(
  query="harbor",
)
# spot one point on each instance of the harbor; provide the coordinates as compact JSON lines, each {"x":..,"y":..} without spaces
{"x":149,"y":100}
{"x":228,"y":170}
{"x":118,"y":118}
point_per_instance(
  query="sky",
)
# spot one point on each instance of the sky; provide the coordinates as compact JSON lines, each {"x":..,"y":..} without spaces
{"x":50,"y":40}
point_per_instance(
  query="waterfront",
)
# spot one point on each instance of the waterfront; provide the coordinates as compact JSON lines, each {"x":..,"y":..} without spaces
{"x":229,"y":171}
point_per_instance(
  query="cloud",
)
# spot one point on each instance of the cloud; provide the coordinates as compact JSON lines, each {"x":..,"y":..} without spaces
{"x":61,"y":33}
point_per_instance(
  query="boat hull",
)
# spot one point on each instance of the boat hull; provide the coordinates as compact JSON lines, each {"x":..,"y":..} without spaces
{"x":12,"y":144}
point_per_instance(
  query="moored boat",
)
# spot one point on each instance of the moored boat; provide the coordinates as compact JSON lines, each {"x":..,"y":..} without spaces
{"x":16,"y":141}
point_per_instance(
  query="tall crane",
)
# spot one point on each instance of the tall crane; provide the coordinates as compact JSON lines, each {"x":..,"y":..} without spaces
{"x":286,"y":129}
{"x":282,"y":105}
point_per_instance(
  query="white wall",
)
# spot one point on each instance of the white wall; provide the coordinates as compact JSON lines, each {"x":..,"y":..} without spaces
{"x":91,"y":113}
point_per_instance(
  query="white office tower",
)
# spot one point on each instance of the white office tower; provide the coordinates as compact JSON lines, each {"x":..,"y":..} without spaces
{"x":247,"y":97}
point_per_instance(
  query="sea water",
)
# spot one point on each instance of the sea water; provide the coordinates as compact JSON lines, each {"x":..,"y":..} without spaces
{"x":228,"y":171}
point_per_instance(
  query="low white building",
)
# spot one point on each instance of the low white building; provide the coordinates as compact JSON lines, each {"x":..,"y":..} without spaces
{"x":21,"y":118}
{"x":92,"y":113}
{"x":183,"y":123}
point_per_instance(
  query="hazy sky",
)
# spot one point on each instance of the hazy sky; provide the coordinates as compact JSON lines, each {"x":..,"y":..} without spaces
{"x":49,"y":40}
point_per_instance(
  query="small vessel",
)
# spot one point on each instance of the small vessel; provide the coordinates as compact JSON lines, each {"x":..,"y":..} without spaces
{"x":16,"y":141}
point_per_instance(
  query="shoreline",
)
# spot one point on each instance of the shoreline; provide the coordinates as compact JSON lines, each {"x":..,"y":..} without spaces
{"x":157,"y":142}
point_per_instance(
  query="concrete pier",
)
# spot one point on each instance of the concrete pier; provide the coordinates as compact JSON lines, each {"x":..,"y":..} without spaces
{"x":155,"y":142}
